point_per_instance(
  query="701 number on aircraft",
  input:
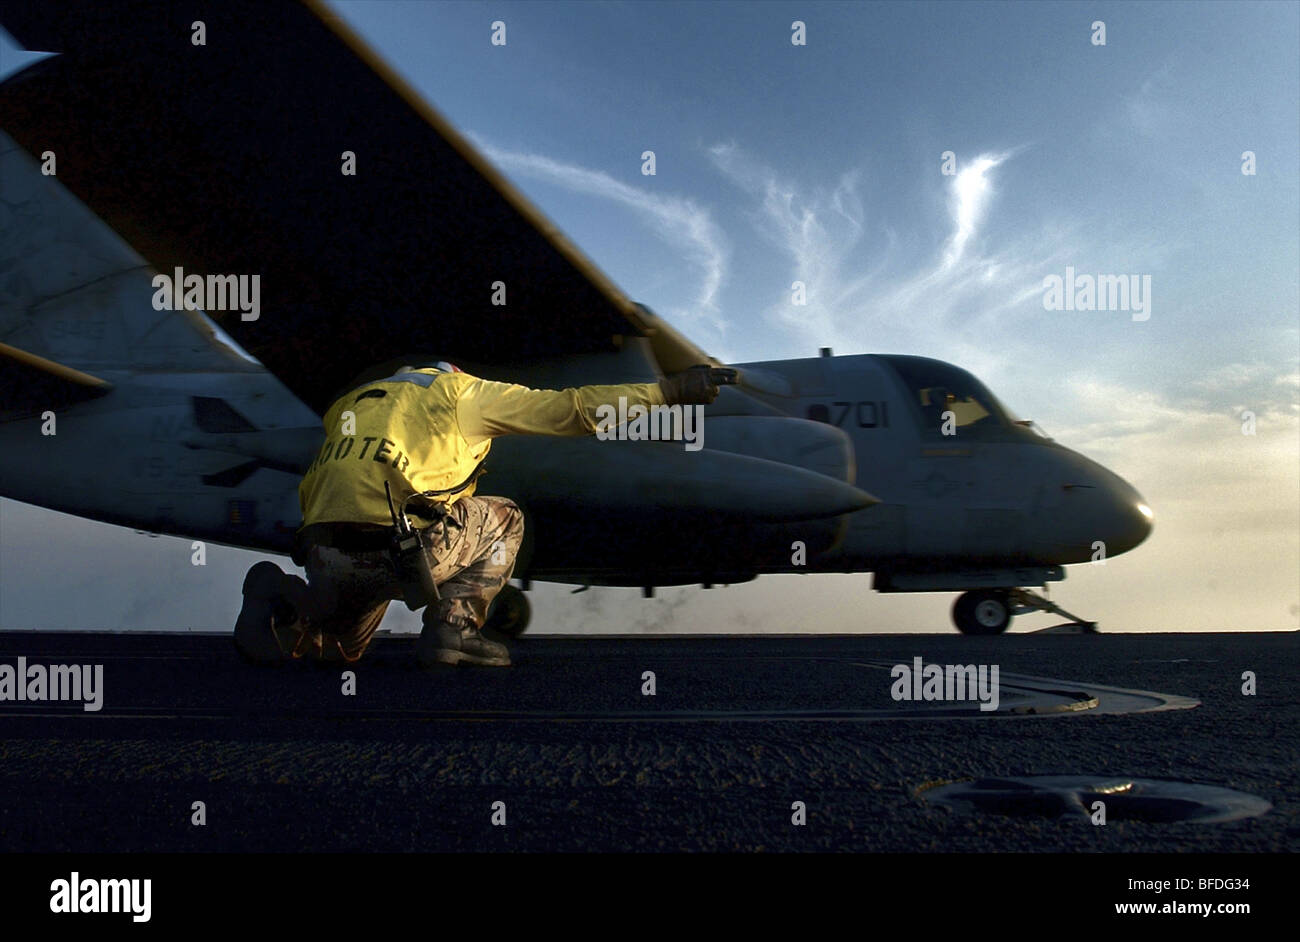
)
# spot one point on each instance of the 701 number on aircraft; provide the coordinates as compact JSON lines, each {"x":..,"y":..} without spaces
{"x":869,"y":414}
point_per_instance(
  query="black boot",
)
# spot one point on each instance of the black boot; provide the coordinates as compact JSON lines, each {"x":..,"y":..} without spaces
{"x":267,"y":630}
{"x":458,"y":641}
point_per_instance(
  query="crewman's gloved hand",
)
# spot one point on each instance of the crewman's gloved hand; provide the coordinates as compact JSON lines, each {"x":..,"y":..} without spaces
{"x":690,"y":387}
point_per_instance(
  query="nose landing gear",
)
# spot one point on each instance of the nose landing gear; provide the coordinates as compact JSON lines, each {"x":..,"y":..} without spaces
{"x":989,"y":611}
{"x":982,"y":612}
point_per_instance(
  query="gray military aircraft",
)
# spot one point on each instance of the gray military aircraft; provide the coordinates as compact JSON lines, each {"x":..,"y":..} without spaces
{"x":132,"y":153}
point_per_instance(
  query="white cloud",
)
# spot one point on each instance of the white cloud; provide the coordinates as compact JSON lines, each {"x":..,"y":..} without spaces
{"x":1264,"y":386}
{"x":680,"y":222}
{"x":1231,"y":376}
{"x":943,"y":306}
{"x":818,"y":231}
{"x":970,"y":194}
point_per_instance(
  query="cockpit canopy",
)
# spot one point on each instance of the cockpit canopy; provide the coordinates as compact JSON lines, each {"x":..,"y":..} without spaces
{"x":936,"y":387}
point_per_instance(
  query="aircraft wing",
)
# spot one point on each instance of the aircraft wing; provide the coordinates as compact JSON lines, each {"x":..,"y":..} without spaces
{"x":226,"y":158}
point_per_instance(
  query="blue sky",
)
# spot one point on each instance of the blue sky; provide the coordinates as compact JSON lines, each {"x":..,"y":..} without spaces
{"x":822,"y":163}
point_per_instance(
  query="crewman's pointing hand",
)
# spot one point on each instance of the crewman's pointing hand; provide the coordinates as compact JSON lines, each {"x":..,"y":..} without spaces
{"x":690,"y":387}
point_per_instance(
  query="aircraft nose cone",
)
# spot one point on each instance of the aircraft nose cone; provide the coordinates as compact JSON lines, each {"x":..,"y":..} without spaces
{"x":1124,"y":519}
{"x":1093,"y":512}
{"x":1133,"y":521}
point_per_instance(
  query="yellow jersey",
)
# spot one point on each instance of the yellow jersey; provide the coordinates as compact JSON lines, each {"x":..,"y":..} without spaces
{"x":427,"y":429}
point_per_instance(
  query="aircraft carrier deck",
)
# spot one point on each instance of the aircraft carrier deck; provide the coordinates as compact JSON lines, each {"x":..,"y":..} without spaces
{"x":737,"y":731}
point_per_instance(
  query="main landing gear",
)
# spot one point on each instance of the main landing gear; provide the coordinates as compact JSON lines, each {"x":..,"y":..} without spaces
{"x":509,"y":613}
{"x":989,"y":611}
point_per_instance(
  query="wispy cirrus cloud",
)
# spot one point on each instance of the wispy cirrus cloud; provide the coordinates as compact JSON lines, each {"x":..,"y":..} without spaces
{"x":819,"y":230}
{"x":971,"y":188}
{"x":825,"y":233}
{"x":681,"y":223}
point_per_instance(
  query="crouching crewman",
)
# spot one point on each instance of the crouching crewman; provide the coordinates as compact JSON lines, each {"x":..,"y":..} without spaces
{"x":415,"y":441}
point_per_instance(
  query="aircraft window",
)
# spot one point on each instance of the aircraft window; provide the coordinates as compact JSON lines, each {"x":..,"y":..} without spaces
{"x":939,"y":387}
{"x":936,"y":400}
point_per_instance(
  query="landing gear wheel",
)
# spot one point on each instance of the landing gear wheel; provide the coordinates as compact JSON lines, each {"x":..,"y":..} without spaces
{"x":982,"y":612}
{"x":509,"y":613}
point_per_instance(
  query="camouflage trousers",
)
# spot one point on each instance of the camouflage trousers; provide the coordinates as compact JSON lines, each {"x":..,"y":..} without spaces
{"x":347,"y":592}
